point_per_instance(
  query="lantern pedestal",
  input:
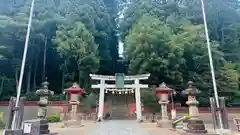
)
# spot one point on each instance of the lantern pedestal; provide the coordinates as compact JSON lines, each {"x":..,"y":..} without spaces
{"x":173,"y":114}
{"x":164,"y":122}
{"x":164,"y":111}
{"x":73,"y":122}
{"x":140,"y":120}
{"x":194,"y":124}
{"x":99,"y":119}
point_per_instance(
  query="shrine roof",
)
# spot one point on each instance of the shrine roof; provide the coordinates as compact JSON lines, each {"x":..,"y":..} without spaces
{"x":75,"y":88}
{"x":163,"y":88}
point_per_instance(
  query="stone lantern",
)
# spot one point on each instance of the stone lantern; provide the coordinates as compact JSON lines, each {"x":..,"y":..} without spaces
{"x":163,"y":92}
{"x":194,"y":124}
{"x":74,"y":93}
{"x":43,"y":93}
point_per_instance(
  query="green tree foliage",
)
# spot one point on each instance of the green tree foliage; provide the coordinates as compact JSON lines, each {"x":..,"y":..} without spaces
{"x":92,"y":35}
{"x":76,"y":44}
{"x":165,"y":38}
{"x":160,"y":56}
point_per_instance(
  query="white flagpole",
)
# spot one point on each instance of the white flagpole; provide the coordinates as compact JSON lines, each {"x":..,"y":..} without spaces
{"x":23,"y":65}
{"x":211,"y":64}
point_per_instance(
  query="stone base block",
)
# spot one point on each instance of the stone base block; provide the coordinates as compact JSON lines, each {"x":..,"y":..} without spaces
{"x":140,"y":121}
{"x":195,"y":126}
{"x":13,"y":132}
{"x":73,"y":123}
{"x":99,"y":119}
{"x":36,"y":126}
{"x":223,"y":131}
{"x":164,"y":124}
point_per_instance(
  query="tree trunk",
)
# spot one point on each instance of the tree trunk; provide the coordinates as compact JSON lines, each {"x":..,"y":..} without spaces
{"x":63,"y":74}
{"x":35,"y":72}
{"x":1,"y":87}
{"x":44,"y":61}
{"x":79,"y":76}
{"x":222,"y":35}
{"x":29,"y":78}
{"x":16,"y":78}
{"x":63,"y":79}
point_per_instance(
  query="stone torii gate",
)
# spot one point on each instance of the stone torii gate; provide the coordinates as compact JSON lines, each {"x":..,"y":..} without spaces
{"x":136,"y":86}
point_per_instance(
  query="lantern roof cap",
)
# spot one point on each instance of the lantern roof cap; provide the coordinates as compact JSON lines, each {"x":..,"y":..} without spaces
{"x":163,"y":87}
{"x":191,"y":90}
{"x":75,"y":87}
{"x":44,"y":89}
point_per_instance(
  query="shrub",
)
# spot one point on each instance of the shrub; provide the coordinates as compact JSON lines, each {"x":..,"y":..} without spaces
{"x":54,"y":118}
{"x":58,"y":97}
{"x":31,"y":96}
{"x":2,"y":125}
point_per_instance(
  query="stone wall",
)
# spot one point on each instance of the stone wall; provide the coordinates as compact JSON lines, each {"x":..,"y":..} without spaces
{"x":31,"y":109}
{"x":30,"y":112}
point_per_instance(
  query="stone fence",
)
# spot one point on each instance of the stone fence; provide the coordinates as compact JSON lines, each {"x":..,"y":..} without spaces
{"x":178,"y":107}
{"x":34,"y":103}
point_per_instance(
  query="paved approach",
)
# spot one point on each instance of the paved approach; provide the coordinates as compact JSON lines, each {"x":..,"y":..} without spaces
{"x":118,"y":127}
{"x":113,"y":127}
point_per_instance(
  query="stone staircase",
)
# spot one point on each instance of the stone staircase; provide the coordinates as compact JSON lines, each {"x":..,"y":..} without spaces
{"x":119,"y":112}
{"x":120,"y":106}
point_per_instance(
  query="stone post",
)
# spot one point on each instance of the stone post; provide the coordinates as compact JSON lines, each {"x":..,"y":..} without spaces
{"x":101,"y":100}
{"x":138,"y":101}
{"x":194,"y":124}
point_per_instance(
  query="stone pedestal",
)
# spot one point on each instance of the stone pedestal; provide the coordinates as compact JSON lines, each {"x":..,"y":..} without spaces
{"x":73,"y":112}
{"x":36,"y":127}
{"x":13,"y":132}
{"x":99,"y":119}
{"x":195,"y":126}
{"x":42,"y":112}
{"x":164,"y":112}
{"x":173,"y":114}
{"x":140,"y":120}
{"x":164,"y":124}
{"x":74,"y":121}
